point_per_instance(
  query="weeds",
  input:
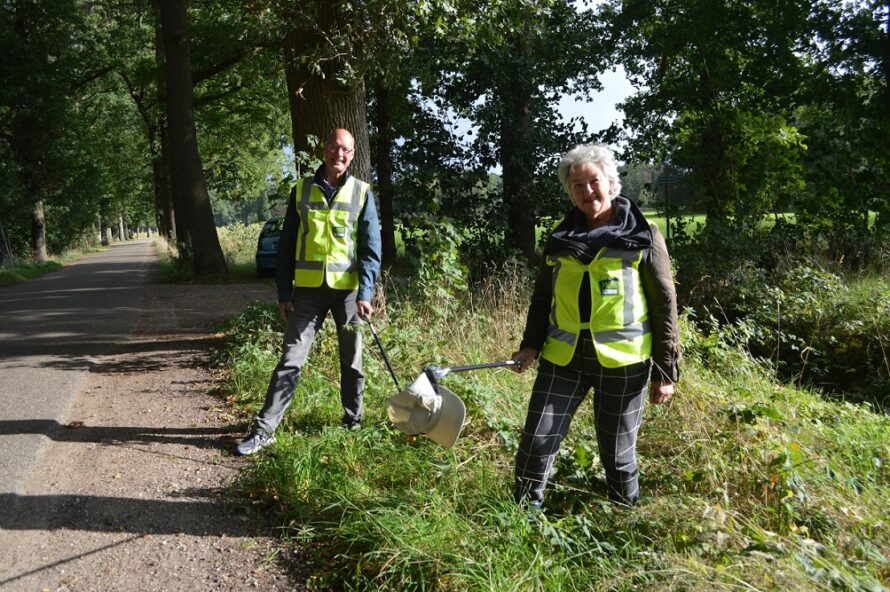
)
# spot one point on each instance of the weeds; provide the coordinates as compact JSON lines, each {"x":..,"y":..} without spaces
{"x":747,"y":484}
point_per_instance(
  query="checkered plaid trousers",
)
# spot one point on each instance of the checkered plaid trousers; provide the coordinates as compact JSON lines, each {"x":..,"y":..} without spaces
{"x":619,"y":396}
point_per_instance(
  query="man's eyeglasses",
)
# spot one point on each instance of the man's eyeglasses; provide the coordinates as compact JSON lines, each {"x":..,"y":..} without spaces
{"x":336,"y":149}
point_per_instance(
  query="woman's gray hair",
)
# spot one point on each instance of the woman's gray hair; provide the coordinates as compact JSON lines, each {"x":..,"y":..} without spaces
{"x":596,"y":154}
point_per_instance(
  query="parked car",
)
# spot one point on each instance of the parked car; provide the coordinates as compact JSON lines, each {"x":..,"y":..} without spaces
{"x":267,"y":247}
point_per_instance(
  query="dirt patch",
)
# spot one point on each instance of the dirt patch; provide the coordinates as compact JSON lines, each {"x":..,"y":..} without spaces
{"x":132,"y":492}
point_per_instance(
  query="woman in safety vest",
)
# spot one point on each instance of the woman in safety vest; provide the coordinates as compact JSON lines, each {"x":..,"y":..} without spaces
{"x":603,"y":315}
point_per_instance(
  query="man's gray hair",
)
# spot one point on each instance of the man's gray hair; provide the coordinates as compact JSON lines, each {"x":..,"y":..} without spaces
{"x":596,"y":154}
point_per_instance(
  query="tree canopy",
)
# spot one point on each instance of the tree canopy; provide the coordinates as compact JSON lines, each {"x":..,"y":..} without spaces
{"x":757,"y":107}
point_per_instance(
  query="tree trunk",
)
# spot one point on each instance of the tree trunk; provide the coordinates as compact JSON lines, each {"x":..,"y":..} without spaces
{"x":885,"y":61}
{"x":319,"y":103}
{"x":882,"y":220}
{"x":384,"y":174}
{"x":714,"y":174}
{"x":186,"y":172}
{"x":38,"y":229}
{"x":163,"y":197}
{"x":517,"y":159}
{"x":164,"y":209}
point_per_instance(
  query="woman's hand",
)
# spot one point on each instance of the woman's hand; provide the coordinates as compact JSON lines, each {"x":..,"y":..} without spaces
{"x":523,"y":358}
{"x":660,"y":392}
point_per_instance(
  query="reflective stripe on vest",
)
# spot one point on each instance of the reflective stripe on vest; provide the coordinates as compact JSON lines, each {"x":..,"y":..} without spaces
{"x":618,"y":320}
{"x":328,"y":234}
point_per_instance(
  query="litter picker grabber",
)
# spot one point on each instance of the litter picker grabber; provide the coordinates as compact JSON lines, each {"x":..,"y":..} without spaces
{"x":425,"y":406}
{"x":436,"y":373}
{"x":385,"y":357}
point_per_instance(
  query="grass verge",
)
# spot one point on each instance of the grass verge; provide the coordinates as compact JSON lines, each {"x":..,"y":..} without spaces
{"x":21,"y":271}
{"x":747,"y":484}
{"x":238,"y":242}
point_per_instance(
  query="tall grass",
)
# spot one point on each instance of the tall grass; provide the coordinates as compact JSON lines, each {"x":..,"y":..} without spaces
{"x":747,"y":484}
{"x":238,"y":243}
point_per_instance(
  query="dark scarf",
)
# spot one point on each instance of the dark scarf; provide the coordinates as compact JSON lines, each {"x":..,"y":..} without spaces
{"x":573,"y":238}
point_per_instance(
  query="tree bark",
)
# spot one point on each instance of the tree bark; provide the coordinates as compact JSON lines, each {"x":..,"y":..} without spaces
{"x":321,"y":103}
{"x":160,"y":150}
{"x":163,"y":197}
{"x":186,"y":172}
{"x":38,"y":229}
{"x":517,"y":159}
{"x":384,"y":174}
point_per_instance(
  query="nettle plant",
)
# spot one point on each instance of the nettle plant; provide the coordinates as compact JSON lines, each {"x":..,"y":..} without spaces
{"x":440,"y":273}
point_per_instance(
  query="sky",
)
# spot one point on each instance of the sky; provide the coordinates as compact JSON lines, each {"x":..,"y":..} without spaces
{"x":599,"y":109}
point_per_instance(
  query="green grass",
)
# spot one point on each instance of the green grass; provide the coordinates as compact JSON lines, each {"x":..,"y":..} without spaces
{"x":238,"y":243}
{"x":14,"y":274}
{"x":23,"y":270}
{"x":747,"y":484}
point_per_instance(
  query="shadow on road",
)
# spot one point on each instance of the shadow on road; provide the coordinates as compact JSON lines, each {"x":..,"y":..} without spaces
{"x":210,"y":516}
{"x":76,"y":432}
{"x":172,"y":353}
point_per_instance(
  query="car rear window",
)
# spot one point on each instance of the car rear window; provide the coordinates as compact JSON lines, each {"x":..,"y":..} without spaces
{"x":272,"y":226}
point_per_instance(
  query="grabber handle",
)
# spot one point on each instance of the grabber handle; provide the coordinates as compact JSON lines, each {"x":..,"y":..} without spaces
{"x":481,"y":366}
{"x":385,"y":357}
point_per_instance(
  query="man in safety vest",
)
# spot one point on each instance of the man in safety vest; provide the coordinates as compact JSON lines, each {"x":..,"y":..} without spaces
{"x":328,"y":260}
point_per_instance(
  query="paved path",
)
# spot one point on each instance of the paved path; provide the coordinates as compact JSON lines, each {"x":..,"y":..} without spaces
{"x":51,"y":330}
{"x":116,"y":472}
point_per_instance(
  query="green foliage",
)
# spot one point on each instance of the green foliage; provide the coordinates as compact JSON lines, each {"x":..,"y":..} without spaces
{"x":824,"y":329}
{"x":744,"y":480}
{"x":13,"y":274}
{"x":255,"y":346}
{"x":827,"y":329}
{"x":715,"y":99}
{"x":239,"y":242}
{"x":765,"y":106}
{"x":439,"y":277}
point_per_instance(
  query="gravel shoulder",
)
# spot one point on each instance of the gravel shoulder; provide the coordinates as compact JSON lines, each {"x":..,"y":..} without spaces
{"x":131,"y":492}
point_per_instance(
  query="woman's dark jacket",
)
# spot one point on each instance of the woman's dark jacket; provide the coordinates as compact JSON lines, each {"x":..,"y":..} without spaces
{"x":628,"y":230}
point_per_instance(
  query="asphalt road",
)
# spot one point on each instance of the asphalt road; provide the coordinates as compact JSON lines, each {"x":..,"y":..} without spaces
{"x":51,"y":328}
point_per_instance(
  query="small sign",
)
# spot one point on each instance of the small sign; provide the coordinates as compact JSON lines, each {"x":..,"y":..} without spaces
{"x":609,"y":287}
{"x":666,"y":179}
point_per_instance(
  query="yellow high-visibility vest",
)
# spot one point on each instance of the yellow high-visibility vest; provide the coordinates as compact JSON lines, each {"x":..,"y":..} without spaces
{"x":327,"y":238}
{"x":619,"y":319}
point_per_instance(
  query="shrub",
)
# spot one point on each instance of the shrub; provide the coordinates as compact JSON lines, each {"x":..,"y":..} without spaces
{"x":825,"y":329}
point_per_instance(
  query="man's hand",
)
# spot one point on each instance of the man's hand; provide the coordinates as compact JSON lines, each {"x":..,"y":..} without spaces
{"x":364,"y":309}
{"x":523,"y":358}
{"x":284,"y":309}
{"x":660,"y":392}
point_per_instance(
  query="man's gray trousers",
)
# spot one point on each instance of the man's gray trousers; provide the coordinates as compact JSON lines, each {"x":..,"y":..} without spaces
{"x":311,"y":305}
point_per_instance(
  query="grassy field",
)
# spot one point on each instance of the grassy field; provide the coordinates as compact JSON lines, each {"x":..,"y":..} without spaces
{"x":747,"y":484}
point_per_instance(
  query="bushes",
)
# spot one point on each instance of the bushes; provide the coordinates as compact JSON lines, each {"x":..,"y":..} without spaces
{"x":817,"y":321}
{"x":825,"y":329}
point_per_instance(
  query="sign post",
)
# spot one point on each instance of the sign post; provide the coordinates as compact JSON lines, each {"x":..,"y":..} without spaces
{"x":667,"y":181}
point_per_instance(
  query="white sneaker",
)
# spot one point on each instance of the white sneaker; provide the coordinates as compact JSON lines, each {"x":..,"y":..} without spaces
{"x":254,"y":443}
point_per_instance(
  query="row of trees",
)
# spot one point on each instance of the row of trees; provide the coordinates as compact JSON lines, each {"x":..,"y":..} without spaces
{"x":146,"y":109}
